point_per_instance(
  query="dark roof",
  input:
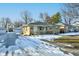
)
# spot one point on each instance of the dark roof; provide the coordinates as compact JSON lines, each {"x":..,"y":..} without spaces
{"x":38,"y":23}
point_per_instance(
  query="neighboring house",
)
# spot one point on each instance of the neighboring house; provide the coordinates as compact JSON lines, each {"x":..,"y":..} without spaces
{"x":62,"y":27}
{"x":42,"y":28}
{"x":76,"y":26}
{"x":68,"y":27}
{"x":10,"y":27}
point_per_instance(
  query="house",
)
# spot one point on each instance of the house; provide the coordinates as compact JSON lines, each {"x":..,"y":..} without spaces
{"x":38,"y":28}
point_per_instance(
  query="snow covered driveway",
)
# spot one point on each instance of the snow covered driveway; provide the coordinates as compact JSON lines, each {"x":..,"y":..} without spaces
{"x":28,"y":46}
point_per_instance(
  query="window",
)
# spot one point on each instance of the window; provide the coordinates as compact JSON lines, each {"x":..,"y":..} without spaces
{"x":41,"y":28}
{"x":32,"y":28}
{"x":49,"y":28}
{"x":46,"y":28}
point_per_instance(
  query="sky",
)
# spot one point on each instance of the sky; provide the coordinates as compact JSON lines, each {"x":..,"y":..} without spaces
{"x":14,"y":10}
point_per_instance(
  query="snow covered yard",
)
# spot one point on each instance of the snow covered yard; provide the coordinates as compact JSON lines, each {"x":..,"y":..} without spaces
{"x":29,"y":46}
{"x":44,"y":37}
{"x":34,"y":47}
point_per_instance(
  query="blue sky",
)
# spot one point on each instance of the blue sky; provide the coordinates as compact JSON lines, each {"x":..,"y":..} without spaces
{"x":13,"y":10}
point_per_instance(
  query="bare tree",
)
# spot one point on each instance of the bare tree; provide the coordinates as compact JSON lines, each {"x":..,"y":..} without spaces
{"x":45,"y":17}
{"x":27,"y":17}
{"x":70,"y":12}
{"x":18,"y":23}
{"x":6,"y":21}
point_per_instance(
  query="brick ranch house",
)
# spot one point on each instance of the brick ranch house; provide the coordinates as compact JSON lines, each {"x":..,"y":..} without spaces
{"x":38,"y":28}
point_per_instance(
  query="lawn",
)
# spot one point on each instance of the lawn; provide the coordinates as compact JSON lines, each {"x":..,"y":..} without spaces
{"x":67,"y":39}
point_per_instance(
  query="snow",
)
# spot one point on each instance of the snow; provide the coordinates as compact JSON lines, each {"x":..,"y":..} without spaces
{"x":29,"y":45}
{"x":33,"y":47}
{"x":71,"y":33}
{"x":44,"y":37}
